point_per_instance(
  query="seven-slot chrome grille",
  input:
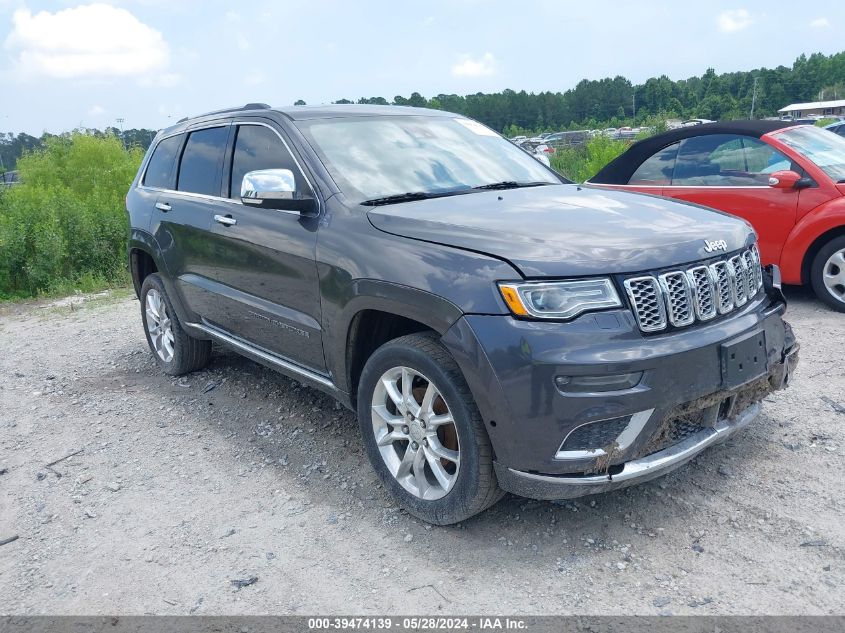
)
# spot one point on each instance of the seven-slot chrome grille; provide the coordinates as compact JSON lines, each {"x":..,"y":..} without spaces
{"x":682,"y":297}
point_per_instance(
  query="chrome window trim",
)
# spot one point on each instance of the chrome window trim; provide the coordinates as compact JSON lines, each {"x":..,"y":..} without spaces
{"x":202,"y":196}
{"x":715,"y":187}
{"x":601,"y":184}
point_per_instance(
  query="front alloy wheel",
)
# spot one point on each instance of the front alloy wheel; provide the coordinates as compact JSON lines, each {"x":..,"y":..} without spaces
{"x":423,"y":432}
{"x":415,"y":433}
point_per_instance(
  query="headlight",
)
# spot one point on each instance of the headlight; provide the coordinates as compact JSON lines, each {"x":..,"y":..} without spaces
{"x":559,"y":299}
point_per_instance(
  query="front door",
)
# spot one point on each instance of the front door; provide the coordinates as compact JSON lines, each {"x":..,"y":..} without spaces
{"x":265,"y":259}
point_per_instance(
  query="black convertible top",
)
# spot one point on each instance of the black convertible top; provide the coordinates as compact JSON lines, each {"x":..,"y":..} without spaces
{"x":620,"y":170}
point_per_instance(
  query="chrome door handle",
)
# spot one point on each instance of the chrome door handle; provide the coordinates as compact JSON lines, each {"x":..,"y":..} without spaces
{"x":225,"y":220}
{"x":163,"y":206}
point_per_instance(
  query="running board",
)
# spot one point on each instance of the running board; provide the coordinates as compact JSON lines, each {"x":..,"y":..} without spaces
{"x":267,"y":357}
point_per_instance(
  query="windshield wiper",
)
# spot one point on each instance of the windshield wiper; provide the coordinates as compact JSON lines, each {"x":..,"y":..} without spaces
{"x":410,"y":196}
{"x":512,"y":184}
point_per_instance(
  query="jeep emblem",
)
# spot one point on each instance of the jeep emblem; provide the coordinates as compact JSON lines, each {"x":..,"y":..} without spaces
{"x":715,"y":245}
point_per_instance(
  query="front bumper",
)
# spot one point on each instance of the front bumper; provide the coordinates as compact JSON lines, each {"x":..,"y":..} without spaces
{"x":654,"y":464}
{"x":512,"y":366}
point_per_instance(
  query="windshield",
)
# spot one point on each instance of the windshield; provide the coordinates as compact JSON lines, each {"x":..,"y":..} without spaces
{"x":824,"y":148}
{"x":377,"y":157}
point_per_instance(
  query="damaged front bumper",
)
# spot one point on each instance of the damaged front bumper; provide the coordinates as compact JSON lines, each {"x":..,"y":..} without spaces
{"x":718,"y":417}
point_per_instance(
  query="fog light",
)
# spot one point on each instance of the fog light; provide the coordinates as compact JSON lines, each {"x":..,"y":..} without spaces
{"x":615,"y":382}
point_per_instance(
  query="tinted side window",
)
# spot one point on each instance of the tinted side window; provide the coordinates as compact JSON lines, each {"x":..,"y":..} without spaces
{"x":726,"y":160}
{"x":202,"y":161}
{"x":160,"y":168}
{"x":258,"y":147}
{"x":658,"y":169}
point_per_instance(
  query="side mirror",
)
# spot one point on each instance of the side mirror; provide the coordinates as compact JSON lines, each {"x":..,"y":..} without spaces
{"x":275,"y":189}
{"x":786,"y":179}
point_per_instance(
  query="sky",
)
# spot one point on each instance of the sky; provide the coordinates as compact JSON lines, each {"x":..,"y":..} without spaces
{"x":65,"y":64}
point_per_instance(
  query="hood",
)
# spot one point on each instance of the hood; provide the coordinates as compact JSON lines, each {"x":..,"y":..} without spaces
{"x":567,"y":230}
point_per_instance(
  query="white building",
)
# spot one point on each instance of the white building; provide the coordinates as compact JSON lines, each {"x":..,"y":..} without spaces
{"x":819,"y":108}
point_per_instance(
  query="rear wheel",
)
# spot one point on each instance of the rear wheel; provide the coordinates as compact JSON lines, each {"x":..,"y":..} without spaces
{"x":827,"y":274}
{"x":175,"y":351}
{"x":423,"y":432}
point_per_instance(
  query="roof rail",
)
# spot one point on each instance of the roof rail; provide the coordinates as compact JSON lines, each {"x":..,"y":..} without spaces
{"x":248,"y":106}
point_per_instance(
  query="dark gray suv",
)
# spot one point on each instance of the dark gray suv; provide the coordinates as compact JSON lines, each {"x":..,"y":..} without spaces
{"x":495,"y":327}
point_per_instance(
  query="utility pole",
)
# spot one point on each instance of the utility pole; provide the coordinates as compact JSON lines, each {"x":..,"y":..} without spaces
{"x":634,"y":106}
{"x":120,"y":122}
{"x":754,"y":97}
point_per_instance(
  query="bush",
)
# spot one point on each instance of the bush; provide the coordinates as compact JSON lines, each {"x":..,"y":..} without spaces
{"x":583,"y":162}
{"x":65,"y":225}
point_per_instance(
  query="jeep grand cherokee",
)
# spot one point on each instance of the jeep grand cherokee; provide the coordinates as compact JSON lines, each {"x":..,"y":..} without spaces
{"x":495,"y":327}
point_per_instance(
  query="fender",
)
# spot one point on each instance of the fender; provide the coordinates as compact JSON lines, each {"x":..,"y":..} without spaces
{"x":823,"y":218}
{"x":433,"y":311}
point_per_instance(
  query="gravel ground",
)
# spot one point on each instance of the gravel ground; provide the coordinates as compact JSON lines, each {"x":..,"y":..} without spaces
{"x":236,"y":490}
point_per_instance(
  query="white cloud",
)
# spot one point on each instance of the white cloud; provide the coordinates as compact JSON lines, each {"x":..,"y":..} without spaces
{"x":734,"y":20}
{"x":820,"y":23}
{"x":475,"y":67}
{"x":93,"y":40}
{"x":96,"y":110}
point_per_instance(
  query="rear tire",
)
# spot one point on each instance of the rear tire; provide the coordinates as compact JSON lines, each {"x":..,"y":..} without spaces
{"x":175,"y":351}
{"x":827,"y":274}
{"x":433,"y":453}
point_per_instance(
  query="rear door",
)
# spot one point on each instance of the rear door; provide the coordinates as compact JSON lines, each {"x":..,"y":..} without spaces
{"x":730,"y":172}
{"x":264,"y":260}
{"x":183,"y":213}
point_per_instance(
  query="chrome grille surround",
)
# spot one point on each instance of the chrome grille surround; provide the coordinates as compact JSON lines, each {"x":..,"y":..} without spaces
{"x":721,"y":275}
{"x":646,"y":297}
{"x":681,"y":297}
{"x":678,"y":296}
{"x":703,"y":292}
{"x":737,"y":267}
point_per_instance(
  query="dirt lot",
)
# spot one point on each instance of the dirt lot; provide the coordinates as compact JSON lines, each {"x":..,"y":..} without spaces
{"x":179,"y":488}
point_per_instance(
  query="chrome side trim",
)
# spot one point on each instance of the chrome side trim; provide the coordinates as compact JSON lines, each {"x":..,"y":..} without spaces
{"x":623,"y":441}
{"x":654,"y":465}
{"x":269,"y":357}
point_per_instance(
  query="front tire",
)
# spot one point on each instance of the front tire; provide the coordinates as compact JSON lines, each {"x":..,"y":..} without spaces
{"x":423,"y":432}
{"x":175,"y":351}
{"x":827,"y":274}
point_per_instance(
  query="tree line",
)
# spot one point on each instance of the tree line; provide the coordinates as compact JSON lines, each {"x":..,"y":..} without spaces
{"x":592,"y":103}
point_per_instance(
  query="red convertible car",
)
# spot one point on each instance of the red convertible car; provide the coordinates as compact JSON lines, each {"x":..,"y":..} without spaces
{"x":787,"y":180}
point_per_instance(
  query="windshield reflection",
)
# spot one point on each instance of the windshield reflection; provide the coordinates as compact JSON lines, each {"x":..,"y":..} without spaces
{"x":375,"y":157}
{"x":823,"y":147}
